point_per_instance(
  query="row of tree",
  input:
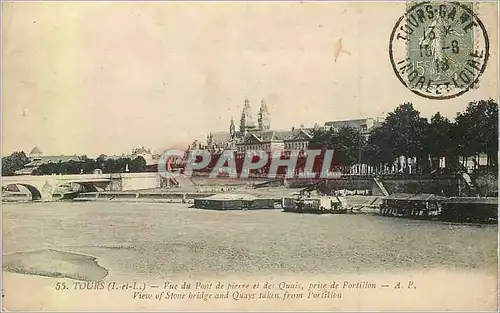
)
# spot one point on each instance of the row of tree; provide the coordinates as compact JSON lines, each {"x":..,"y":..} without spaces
{"x":18,"y":160}
{"x":88,"y":165}
{"x":406,"y":134}
{"x":14,"y":162}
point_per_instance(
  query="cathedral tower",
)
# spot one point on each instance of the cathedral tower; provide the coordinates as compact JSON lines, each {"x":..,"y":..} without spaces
{"x":264,"y":118}
{"x":232,"y":130}
{"x":246,"y":121}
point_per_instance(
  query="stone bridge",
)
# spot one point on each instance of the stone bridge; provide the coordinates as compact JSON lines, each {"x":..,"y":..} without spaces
{"x":44,"y":186}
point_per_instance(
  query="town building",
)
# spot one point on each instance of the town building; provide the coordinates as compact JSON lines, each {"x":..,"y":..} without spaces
{"x":253,"y":136}
{"x":258,"y":136}
{"x":364,"y":125}
{"x":148,"y":156}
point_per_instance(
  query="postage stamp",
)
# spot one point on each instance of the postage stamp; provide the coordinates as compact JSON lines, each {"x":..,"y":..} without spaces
{"x":439,"y":50}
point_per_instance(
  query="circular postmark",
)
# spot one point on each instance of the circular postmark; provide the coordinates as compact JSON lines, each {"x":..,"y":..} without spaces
{"x":439,"y":50}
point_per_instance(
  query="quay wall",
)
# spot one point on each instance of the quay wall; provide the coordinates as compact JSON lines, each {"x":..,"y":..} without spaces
{"x":226,"y":181}
{"x":169,"y":197}
{"x":438,"y":186}
{"x":447,"y":186}
{"x":487,"y":183}
{"x":139,"y":181}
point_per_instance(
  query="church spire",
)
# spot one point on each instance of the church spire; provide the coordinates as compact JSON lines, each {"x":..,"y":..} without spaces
{"x":246,"y":121}
{"x":264,"y":118}
{"x":232,"y":129}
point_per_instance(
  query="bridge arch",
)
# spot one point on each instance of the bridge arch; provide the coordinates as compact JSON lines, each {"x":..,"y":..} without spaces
{"x":35,"y":193}
{"x":87,"y":187}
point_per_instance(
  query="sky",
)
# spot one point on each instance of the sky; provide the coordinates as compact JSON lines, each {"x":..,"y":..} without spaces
{"x":107,"y":77}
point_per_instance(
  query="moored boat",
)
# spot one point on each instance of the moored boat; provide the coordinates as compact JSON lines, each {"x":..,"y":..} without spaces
{"x":65,"y":192}
{"x":411,"y":205}
{"x":314,"y":204}
{"x":431,"y":206}
{"x":469,"y":209}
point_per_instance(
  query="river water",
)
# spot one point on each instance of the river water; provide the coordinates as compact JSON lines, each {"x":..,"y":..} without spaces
{"x":90,"y":245}
{"x":160,"y":240}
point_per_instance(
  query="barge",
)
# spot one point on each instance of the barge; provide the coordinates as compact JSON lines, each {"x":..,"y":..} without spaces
{"x":411,"y":205}
{"x":431,"y":206}
{"x":314,"y":205}
{"x":470,"y":209}
{"x":234,"y":202}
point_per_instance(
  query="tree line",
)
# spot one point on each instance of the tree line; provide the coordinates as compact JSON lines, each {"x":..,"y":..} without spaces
{"x":404,"y":134}
{"x":14,"y":162}
{"x":18,"y":160}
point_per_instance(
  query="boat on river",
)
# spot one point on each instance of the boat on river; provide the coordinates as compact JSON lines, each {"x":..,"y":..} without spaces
{"x":65,"y":192}
{"x":431,"y":206}
{"x":314,"y":204}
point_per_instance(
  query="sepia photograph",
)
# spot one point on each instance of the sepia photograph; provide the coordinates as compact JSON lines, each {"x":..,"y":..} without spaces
{"x":249,"y":156}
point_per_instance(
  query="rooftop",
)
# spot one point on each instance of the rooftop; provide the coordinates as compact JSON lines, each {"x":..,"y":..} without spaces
{"x":39,"y":160}
{"x":229,"y":196}
{"x":35,"y":151}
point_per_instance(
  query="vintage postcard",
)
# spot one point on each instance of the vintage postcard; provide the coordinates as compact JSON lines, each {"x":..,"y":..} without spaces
{"x":249,"y":156}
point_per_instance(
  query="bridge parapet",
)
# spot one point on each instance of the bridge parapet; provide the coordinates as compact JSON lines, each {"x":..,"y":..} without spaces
{"x":46,"y":184}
